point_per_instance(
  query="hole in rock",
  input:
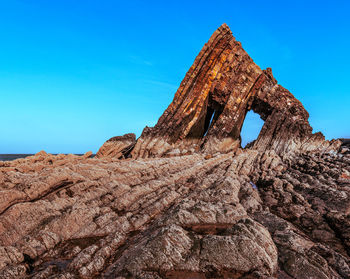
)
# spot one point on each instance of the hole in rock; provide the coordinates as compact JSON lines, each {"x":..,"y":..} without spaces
{"x":251,"y":128}
{"x":29,"y":262}
{"x":208,"y":120}
{"x":253,"y":185}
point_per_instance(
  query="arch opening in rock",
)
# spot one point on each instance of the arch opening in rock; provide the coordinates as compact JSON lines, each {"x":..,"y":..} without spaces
{"x":208,"y":120}
{"x":251,"y":128}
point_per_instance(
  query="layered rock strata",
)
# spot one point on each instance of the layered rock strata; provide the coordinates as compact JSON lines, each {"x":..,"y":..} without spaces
{"x":117,"y":147}
{"x":249,"y":215}
{"x":209,"y":108}
{"x":186,"y":201}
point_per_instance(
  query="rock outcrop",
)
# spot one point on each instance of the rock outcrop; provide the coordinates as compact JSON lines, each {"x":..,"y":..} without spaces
{"x":345,"y":146}
{"x":186,"y":201}
{"x":209,"y":108}
{"x":117,"y":147}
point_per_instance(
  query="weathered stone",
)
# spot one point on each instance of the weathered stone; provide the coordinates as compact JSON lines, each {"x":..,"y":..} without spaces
{"x":278,"y":209}
{"x":117,"y":147}
{"x":209,"y":108}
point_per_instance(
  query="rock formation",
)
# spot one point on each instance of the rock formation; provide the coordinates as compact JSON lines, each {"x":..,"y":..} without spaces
{"x":117,"y":147}
{"x":222,"y":85}
{"x":186,"y":201}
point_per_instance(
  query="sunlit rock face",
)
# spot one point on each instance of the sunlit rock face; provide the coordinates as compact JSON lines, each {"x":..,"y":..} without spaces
{"x":185,"y":200}
{"x":209,"y":107}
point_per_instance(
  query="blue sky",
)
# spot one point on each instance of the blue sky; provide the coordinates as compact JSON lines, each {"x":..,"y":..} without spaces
{"x":75,"y":73}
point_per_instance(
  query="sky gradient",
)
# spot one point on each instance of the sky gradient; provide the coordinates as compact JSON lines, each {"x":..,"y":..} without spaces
{"x":75,"y":73}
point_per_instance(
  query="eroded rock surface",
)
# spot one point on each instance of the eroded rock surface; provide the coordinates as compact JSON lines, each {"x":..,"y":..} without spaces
{"x":209,"y":108}
{"x":186,"y":201}
{"x":117,"y":147}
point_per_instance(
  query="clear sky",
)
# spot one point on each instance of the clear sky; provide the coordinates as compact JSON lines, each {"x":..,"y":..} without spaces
{"x":75,"y":73}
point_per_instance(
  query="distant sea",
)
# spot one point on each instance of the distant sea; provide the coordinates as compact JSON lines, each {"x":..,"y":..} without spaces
{"x":11,"y":157}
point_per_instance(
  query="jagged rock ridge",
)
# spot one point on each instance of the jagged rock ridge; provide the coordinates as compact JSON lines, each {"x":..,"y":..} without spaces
{"x":223,"y":84}
{"x":143,"y":209}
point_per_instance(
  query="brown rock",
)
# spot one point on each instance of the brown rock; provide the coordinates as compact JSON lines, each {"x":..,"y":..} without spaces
{"x":278,"y":209}
{"x":209,"y":107}
{"x":117,"y":147}
{"x":87,"y":154}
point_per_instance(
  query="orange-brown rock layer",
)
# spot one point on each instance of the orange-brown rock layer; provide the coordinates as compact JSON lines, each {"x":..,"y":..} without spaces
{"x":209,"y":107}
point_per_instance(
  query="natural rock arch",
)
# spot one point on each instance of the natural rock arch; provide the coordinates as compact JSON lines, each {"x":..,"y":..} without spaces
{"x":224,"y":79}
{"x":251,"y":129}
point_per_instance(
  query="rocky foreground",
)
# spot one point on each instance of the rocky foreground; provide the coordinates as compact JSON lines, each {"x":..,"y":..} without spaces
{"x":185,"y":200}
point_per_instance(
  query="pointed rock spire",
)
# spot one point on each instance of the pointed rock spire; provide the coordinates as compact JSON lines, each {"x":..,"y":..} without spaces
{"x":210,"y":105}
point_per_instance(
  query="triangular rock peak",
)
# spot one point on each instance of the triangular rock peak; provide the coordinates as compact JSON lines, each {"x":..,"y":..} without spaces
{"x":209,"y":107}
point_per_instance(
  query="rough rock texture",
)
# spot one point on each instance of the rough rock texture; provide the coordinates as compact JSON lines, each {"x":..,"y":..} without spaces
{"x":278,"y":209}
{"x":345,"y":146}
{"x":222,"y":85}
{"x":117,"y":147}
